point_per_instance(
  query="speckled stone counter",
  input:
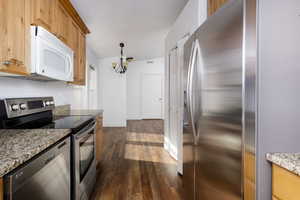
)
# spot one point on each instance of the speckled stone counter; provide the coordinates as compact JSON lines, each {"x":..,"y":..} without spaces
{"x":65,"y":110}
{"x":61,"y":110}
{"x":288,"y":161}
{"x":18,"y":146}
{"x":87,"y":112}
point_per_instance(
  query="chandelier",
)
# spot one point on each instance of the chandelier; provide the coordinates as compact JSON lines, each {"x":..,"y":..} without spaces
{"x":122,"y":67}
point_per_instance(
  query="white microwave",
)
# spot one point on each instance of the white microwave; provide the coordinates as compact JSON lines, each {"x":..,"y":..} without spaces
{"x":51,"y":59}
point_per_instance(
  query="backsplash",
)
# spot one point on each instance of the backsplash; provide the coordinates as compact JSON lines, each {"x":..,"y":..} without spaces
{"x":60,"y":110}
{"x":62,"y":92}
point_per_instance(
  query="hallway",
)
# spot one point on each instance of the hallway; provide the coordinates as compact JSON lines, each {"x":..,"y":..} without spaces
{"x":135,"y":165}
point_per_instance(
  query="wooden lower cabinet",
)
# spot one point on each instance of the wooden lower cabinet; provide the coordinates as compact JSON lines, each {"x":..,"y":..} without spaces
{"x":274,"y":198}
{"x":99,"y":140}
{"x":1,"y":189}
{"x":249,"y":179}
{"x":249,"y":190}
{"x":285,"y":185}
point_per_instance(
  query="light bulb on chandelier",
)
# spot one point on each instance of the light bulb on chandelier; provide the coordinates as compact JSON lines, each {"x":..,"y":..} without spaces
{"x":122,"y":67}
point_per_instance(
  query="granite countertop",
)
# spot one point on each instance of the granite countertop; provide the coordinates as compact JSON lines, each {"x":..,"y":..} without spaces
{"x":65,"y":110}
{"x":288,"y":161}
{"x":18,"y":146}
{"x":86,"y":112}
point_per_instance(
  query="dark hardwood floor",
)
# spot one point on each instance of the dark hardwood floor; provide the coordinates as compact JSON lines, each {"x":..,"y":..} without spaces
{"x":135,"y":165}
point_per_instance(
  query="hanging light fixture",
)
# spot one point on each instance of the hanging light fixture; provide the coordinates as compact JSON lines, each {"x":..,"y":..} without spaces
{"x":121,"y":67}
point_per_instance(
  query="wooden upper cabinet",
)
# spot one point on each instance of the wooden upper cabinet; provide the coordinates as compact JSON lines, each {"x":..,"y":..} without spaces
{"x":82,"y":59}
{"x":285,"y":184}
{"x":73,"y":32}
{"x":214,"y":5}
{"x":73,"y":40}
{"x":13,"y":34}
{"x":57,"y":16}
{"x":43,"y":13}
{"x":77,"y":42}
{"x":61,"y":22}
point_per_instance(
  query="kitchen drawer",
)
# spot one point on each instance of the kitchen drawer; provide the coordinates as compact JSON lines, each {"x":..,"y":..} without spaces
{"x":286,"y":185}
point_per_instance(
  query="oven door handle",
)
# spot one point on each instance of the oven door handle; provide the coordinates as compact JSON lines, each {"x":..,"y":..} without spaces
{"x":86,"y":130}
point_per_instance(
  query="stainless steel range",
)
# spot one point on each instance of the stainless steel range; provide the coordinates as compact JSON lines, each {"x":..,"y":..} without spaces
{"x":37,"y":113}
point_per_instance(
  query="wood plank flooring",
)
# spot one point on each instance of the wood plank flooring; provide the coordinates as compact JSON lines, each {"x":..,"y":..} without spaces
{"x":135,"y":165}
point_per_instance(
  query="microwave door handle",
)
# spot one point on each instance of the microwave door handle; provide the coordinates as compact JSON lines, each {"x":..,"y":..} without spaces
{"x":69,"y":73}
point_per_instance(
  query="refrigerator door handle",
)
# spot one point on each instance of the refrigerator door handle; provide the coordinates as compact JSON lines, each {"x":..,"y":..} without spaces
{"x":193,"y":64}
{"x":189,"y":88}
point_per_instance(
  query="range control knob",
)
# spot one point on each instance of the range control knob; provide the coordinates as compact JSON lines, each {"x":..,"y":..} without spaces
{"x":47,"y":103}
{"x":23,"y":106}
{"x":15,"y":107}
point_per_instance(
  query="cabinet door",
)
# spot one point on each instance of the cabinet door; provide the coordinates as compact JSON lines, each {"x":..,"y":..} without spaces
{"x":99,"y":140}
{"x":77,"y":43}
{"x":73,"y":38}
{"x":61,"y":22}
{"x":82,"y":59}
{"x":13,"y":36}
{"x":214,"y":5}
{"x":43,"y":13}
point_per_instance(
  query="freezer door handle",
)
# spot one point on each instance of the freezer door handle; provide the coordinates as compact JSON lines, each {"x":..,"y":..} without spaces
{"x":191,"y":92}
{"x":189,"y":88}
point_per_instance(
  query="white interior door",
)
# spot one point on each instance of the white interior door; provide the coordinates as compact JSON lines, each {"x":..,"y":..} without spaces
{"x":92,"y":88}
{"x":180,"y":106}
{"x":173,"y":98}
{"x":176,"y":102}
{"x":152,"y":96}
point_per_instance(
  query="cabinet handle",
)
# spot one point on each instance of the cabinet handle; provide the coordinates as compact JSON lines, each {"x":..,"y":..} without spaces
{"x":6,"y":62}
{"x":12,"y":62}
{"x":16,"y":62}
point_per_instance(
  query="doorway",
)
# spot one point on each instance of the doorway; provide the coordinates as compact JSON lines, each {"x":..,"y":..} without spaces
{"x":152,"y":96}
{"x":92,"y":87}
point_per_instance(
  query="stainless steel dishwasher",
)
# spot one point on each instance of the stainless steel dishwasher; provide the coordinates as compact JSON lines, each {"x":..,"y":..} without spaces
{"x":46,"y":177}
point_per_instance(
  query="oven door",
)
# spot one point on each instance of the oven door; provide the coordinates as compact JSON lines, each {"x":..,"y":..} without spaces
{"x":84,"y":162}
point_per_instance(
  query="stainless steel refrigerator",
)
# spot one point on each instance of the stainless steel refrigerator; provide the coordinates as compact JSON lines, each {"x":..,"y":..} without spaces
{"x":213,"y":132}
{"x":237,"y":66}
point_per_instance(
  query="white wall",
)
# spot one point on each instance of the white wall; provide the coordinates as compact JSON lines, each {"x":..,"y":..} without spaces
{"x":62,"y":92}
{"x":134,"y":80}
{"x":93,"y":101}
{"x":112,"y":87}
{"x":191,"y":17}
{"x":278,"y":96}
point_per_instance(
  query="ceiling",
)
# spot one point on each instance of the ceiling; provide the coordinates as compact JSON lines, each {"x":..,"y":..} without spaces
{"x":141,"y":24}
